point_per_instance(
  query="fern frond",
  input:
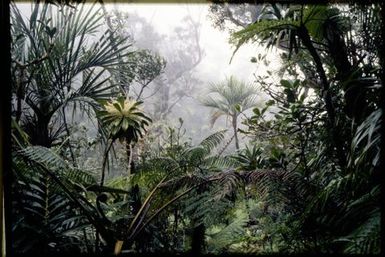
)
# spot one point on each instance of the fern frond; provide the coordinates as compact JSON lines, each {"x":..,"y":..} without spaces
{"x":220,"y":163}
{"x":204,"y":209}
{"x":194,"y":155}
{"x":260,"y":30}
{"x":48,"y":158}
{"x":80,"y":177}
{"x":229,"y":183}
{"x":213,"y":140}
{"x":44,"y":156}
{"x":230,"y":234}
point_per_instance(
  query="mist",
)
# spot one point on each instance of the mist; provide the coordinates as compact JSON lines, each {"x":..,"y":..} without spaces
{"x":196,"y":54}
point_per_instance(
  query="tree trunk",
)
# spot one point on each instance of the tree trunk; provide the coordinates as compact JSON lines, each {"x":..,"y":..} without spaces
{"x":20,"y":84}
{"x":198,"y":240}
{"x":129,"y":157}
{"x":334,"y":130}
{"x":234,"y":121}
{"x":41,"y":132}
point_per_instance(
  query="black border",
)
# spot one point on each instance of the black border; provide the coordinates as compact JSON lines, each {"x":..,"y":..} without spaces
{"x":5,"y":116}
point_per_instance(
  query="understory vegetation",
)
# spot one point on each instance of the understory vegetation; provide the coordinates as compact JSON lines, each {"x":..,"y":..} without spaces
{"x":296,"y":172}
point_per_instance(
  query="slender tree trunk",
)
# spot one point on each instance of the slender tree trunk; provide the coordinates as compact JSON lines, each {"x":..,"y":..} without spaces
{"x":41,"y":134}
{"x":69,"y":141}
{"x":234,"y":121}
{"x":326,"y":94}
{"x":20,"y":84}
{"x":105,"y":160}
{"x":129,"y":156}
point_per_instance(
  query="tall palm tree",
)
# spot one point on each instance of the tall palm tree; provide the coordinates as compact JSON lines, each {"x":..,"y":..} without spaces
{"x":232,"y":97}
{"x":60,"y":58}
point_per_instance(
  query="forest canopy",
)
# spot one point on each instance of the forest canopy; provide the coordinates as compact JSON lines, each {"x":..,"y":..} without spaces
{"x":100,"y":164}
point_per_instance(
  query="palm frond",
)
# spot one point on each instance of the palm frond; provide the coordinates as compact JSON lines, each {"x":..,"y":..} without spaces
{"x":365,"y":142}
{"x":47,"y":213}
{"x":230,"y":97}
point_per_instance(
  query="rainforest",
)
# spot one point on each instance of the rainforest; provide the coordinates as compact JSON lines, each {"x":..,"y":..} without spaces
{"x":195,"y":128}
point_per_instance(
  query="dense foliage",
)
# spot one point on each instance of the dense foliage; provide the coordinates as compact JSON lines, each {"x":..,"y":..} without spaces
{"x":306,"y":179}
